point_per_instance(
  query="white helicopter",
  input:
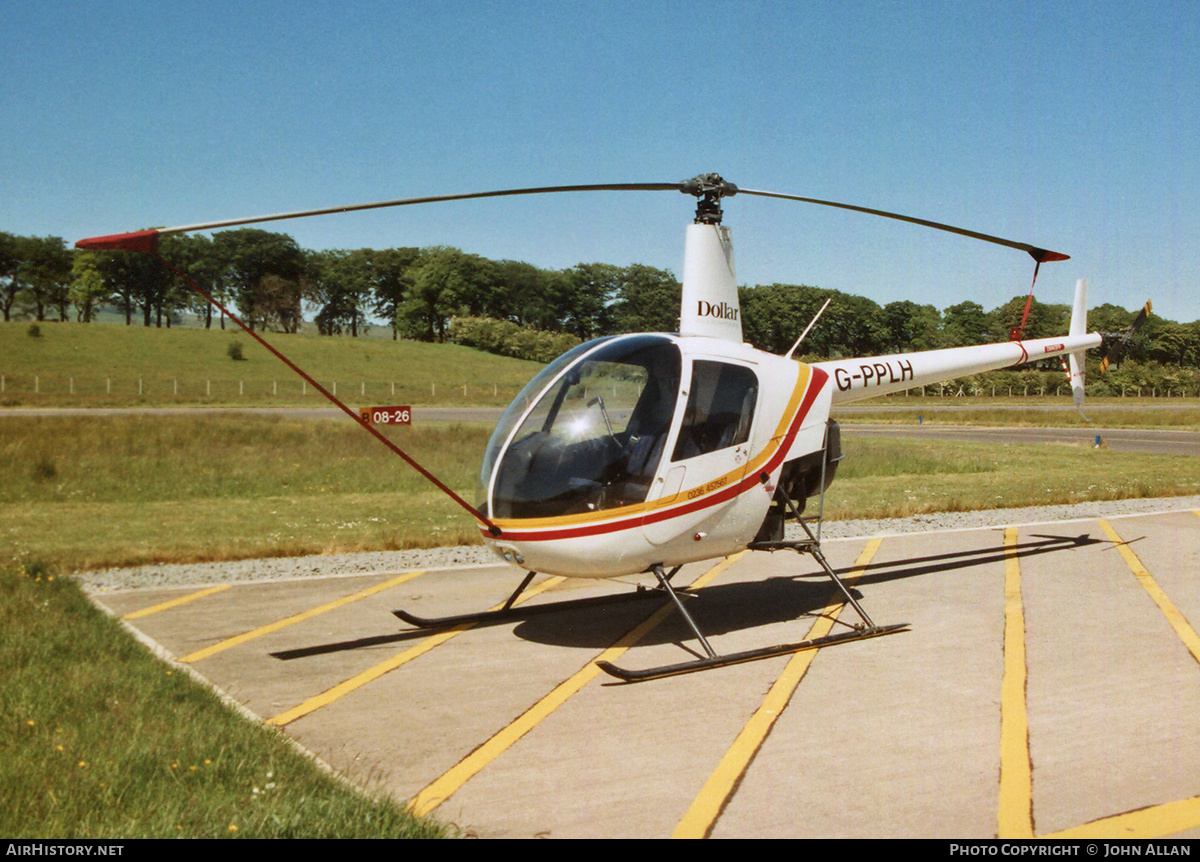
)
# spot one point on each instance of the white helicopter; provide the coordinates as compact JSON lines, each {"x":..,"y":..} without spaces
{"x":643,"y":452}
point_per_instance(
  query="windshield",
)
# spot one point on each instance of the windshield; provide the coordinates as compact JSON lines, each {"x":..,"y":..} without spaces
{"x":517,"y":409}
{"x":594,"y":438}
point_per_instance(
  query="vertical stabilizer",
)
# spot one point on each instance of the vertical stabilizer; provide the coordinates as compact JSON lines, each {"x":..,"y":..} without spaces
{"x":1075,"y":360}
{"x":710,"y":297}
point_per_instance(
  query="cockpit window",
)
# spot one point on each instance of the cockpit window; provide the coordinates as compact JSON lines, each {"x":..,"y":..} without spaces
{"x":594,"y":438}
{"x":720,"y":409}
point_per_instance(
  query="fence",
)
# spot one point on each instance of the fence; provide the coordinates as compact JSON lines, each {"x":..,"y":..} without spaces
{"x":84,"y":390}
{"x":54,"y":389}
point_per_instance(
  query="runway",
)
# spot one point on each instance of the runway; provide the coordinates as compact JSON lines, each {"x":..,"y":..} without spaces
{"x":1158,"y":440}
{"x":1048,"y":687}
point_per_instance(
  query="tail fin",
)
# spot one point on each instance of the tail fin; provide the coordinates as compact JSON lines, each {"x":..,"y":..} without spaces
{"x":1075,"y":360}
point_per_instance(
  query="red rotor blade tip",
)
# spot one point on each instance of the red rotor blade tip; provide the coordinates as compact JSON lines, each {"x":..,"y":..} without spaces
{"x":140,"y":240}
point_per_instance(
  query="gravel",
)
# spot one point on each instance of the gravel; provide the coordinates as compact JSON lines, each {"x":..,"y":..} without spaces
{"x":327,"y":565}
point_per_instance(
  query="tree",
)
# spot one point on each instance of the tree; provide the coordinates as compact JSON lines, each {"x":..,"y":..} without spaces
{"x":856,"y":324}
{"x":339,"y":282}
{"x":196,"y":256}
{"x":88,"y":289}
{"x":647,"y":300}
{"x":446,"y":282}
{"x":774,"y":315}
{"x":391,"y":280}
{"x":912,"y":327}
{"x":45,"y":272}
{"x":1044,"y":321}
{"x":966,"y":324}
{"x":10,"y":264}
{"x":591,"y":291}
{"x":263,"y":271}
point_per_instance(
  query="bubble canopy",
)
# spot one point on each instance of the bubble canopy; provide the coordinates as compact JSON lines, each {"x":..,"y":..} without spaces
{"x":587,"y":433}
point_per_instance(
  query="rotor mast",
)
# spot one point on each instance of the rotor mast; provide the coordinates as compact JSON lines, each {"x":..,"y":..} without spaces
{"x":710,"y":298}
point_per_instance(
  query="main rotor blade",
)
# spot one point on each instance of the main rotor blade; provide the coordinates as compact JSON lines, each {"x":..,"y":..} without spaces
{"x":702,"y":186}
{"x":136,"y":241}
{"x":1041,"y":255}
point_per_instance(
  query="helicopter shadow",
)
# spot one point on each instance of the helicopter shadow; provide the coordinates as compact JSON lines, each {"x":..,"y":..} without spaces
{"x":718,"y":609}
{"x":727,"y":608}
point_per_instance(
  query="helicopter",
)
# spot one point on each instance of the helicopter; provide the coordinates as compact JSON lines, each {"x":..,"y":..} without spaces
{"x":644,"y":452}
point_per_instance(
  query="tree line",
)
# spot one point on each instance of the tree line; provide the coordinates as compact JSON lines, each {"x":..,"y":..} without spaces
{"x":510,"y":307}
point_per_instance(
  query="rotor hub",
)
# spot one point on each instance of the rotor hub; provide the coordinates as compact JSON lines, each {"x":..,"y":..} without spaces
{"x":708,"y":190}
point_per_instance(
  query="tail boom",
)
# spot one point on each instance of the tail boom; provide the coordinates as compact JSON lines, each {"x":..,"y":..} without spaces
{"x":856,"y":379}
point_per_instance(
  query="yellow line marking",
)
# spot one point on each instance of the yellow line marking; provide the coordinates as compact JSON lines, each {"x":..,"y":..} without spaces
{"x":445,"y":786}
{"x":373,"y":673}
{"x":1157,"y":821}
{"x":1016,"y":773}
{"x":1178,"y":621}
{"x":174,"y":603}
{"x":708,"y":804}
{"x":229,"y":643}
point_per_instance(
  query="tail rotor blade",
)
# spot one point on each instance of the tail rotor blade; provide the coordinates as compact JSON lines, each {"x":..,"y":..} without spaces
{"x":1121,"y":342}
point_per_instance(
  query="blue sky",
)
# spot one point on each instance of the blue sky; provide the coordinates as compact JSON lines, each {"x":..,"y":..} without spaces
{"x":1073,"y":126}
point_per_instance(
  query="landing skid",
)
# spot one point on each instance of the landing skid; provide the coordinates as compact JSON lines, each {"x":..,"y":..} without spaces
{"x":858,"y":634}
{"x":510,"y":611}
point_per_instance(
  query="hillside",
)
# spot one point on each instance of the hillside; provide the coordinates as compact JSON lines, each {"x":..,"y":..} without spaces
{"x":70,"y":364}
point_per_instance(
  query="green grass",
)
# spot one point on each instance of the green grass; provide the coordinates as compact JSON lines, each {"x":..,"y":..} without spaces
{"x":1179,"y":414}
{"x":883,"y":477}
{"x":95,"y":491}
{"x":102,"y":365}
{"x":102,"y":740}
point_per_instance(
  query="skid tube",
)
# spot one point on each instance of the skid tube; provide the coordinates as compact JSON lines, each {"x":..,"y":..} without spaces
{"x":509,"y":611}
{"x":715,"y":661}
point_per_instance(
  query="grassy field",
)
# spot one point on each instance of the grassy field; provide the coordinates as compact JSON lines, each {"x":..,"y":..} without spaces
{"x":88,"y":491}
{"x":95,"y":491}
{"x":101,"y":740}
{"x":1179,"y":414}
{"x":95,"y":365}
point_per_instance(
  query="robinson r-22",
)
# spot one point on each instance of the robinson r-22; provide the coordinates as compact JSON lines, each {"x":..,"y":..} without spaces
{"x":643,"y":452}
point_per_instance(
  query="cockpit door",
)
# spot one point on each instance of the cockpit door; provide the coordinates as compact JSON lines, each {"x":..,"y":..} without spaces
{"x":710,"y":451}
